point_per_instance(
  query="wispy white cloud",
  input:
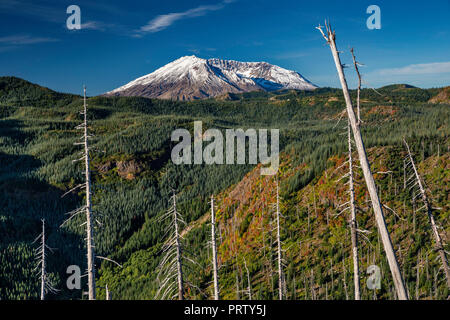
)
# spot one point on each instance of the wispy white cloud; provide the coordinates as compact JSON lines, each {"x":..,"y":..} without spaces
{"x":24,"y":40}
{"x":416,"y":69}
{"x":163,"y":21}
{"x":95,"y":25}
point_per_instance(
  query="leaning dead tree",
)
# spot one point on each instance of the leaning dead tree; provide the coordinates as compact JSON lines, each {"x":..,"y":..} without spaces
{"x":330,"y":38}
{"x":214,"y":251}
{"x":87,"y":207}
{"x":417,"y":182}
{"x":41,"y":257}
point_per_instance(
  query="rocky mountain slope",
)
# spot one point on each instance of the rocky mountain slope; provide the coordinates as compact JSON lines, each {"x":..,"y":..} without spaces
{"x":191,"y":78}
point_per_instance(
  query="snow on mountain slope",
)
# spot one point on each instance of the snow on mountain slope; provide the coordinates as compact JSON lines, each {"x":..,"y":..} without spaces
{"x":190,"y":78}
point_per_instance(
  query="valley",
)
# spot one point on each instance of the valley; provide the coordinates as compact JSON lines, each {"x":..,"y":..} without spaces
{"x":133,"y":178}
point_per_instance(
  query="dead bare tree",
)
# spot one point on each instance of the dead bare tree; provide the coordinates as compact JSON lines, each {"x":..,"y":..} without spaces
{"x":417,"y":290}
{"x":249,"y":287}
{"x":358,"y":104}
{"x":279,"y":259}
{"x":330,"y":38}
{"x":89,"y":226}
{"x":353,"y":224}
{"x":41,"y":257}
{"x":345,"y":279}
{"x":42,"y":249}
{"x":417,"y":182}
{"x":87,"y":208}
{"x":214,"y":250}
{"x":171,"y":265}
{"x":108,"y":293}
{"x":176,"y":258}
{"x":267,"y":263}
{"x":238,"y":297}
{"x":351,"y":206}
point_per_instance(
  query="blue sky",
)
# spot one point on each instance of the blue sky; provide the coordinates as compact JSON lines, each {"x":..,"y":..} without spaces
{"x":122,"y":40}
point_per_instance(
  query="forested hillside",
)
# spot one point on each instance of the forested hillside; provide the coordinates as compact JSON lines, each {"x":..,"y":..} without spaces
{"x":133,"y":178}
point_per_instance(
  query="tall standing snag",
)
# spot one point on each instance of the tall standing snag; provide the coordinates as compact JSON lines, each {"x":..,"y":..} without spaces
{"x":87,"y":208}
{"x":107,"y":293}
{"x":280,"y":270}
{"x":427,"y":206}
{"x":353,"y":225}
{"x":330,"y":38}
{"x":249,"y":287}
{"x":43,"y":274}
{"x":170,"y":276}
{"x":41,"y":257}
{"x":89,"y":226}
{"x":214,"y":250}
{"x":178,"y":249}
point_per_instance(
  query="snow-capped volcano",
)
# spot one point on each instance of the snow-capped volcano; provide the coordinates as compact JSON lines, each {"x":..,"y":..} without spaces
{"x":190,"y":78}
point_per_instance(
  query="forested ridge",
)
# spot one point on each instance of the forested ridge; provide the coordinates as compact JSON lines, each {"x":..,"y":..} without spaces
{"x":133,"y":178}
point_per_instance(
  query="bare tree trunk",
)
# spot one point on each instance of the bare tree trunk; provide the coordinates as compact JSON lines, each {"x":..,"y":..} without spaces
{"x":40,"y":255}
{"x":249,"y":288}
{"x":435,"y":287}
{"x":332,"y":276}
{"x":294,"y":287}
{"x":89,"y":227}
{"x":108,"y":293}
{"x":271,"y":262}
{"x":390,"y":253}
{"x":43,"y":275}
{"x":437,"y":237}
{"x":214,"y":251}
{"x":404,"y":175}
{"x":418,"y":277}
{"x":280,"y":271}
{"x":353,"y":225}
{"x":308,"y":220}
{"x":345,"y":279}
{"x":355,"y":63}
{"x":315,"y":207}
{"x":237,"y":286}
{"x":306,"y":287}
{"x":178,"y":247}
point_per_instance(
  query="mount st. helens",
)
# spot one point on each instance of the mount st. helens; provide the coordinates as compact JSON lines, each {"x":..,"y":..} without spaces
{"x":191,"y":78}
